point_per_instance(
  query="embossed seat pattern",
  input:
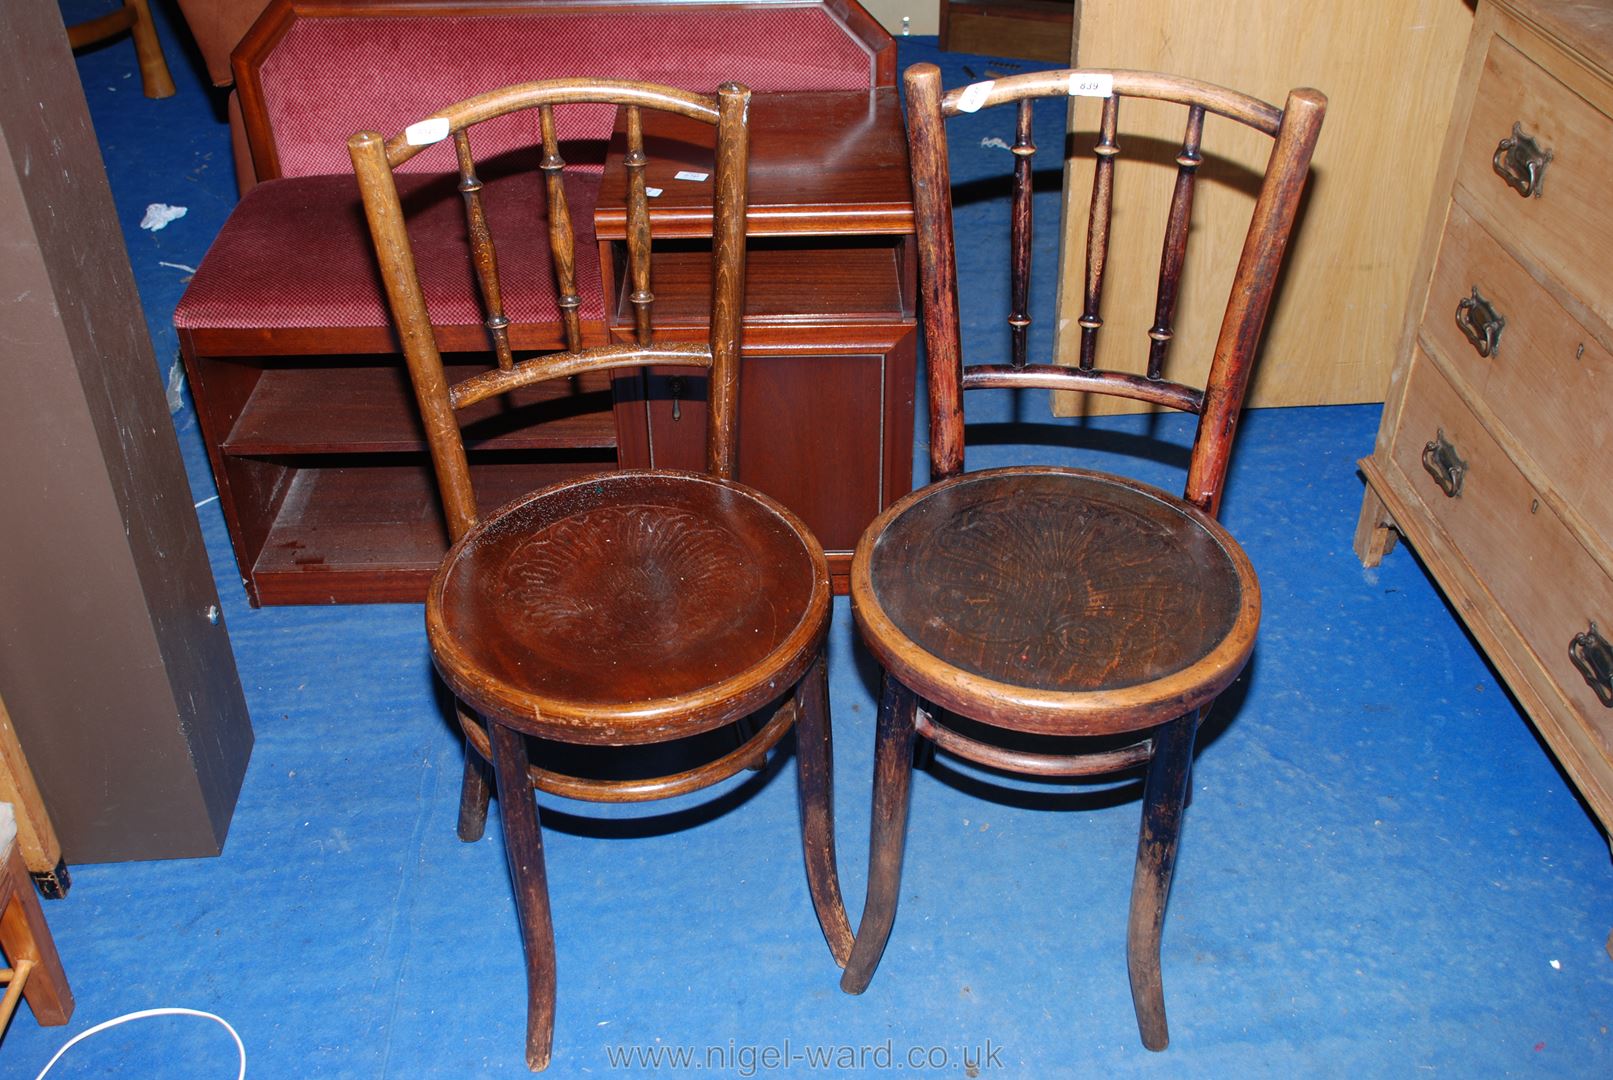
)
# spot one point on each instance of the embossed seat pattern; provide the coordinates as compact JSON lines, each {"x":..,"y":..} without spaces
{"x":1062,"y":581}
{"x":617,"y":589}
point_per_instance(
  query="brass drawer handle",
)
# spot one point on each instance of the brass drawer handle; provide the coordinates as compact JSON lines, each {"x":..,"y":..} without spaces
{"x":1439,"y":458}
{"x":1521,"y":162}
{"x":1480,"y":323}
{"x":1591,"y":653}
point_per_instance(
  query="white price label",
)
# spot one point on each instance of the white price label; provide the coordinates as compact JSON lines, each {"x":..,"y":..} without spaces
{"x":426,"y":132}
{"x":689,"y":174}
{"x":1087,"y":84}
{"x":974,"y":95}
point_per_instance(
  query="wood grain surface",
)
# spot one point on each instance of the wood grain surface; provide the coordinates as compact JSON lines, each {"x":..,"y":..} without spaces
{"x":1390,"y":69}
{"x":1056,"y":581}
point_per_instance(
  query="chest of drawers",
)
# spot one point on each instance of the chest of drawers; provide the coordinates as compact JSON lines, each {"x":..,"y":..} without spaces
{"x":1493,"y":456}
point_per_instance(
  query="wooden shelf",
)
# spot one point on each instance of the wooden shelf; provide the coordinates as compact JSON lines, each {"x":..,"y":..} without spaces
{"x":821,"y":164}
{"x":350,"y":530}
{"x":369,"y":408}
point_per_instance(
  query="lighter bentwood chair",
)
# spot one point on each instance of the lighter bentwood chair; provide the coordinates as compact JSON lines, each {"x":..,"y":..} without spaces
{"x":623,"y":608}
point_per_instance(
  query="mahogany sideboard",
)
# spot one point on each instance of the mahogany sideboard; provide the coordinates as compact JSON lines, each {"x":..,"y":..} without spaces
{"x":1492,"y":455}
{"x":322,"y":466}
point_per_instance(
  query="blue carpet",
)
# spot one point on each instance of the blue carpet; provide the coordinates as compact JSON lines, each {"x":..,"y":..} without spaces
{"x":1382,"y":872}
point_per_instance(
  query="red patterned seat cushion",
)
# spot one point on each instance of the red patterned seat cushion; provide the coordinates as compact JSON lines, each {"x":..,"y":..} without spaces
{"x":296,"y":253}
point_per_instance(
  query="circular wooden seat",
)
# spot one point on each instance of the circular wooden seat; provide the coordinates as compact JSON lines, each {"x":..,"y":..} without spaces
{"x":1055,"y":600}
{"x":629,"y":607}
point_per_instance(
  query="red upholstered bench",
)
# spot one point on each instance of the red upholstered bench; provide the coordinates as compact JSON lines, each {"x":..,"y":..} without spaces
{"x":286,"y":311}
{"x":295,"y":256}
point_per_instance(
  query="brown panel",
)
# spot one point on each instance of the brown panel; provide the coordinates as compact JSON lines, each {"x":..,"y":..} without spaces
{"x":809,"y":435}
{"x":251,"y":493}
{"x":1033,"y":29}
{"x":123,"y":692}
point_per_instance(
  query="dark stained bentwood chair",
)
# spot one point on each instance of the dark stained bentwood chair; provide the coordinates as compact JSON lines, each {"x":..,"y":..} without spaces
{"x":624,"y":608}
{"x":1054,"y":601}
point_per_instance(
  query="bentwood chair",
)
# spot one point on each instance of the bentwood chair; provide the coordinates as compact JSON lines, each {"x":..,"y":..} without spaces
{"x":625,"y":608}
{"x":1056,"y":601}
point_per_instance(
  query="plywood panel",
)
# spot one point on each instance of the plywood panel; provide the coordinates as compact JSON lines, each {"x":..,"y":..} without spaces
{"x":1389,"y":69}
{"x":114,"y":661}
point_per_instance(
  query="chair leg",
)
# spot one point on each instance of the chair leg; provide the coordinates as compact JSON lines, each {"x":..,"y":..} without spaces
{"x":1163,"y":794}
{"x":744,"y":731}
{"x":26,"y":939}
{"x":814,"y":758}
{"x":474,"y":791}
{"x":523,"y":847}
{"x":893,"y":774}
{"x":154,"y":77}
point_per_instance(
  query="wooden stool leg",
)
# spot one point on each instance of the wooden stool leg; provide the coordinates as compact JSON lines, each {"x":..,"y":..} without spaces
{"x":893,"y":774}
{"x":523,"y":847}
{"x":1163,"y":794}
{"x":154,"y":76}
{"x":814,"y":758}
{"x":25,"y":937}
{"x":474,"y":791}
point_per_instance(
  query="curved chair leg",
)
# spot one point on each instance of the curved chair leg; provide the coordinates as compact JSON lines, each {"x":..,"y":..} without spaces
{"x":893,"y":774}
{"x":523,"y":847}
{"x":474,"y":792}
{"x":474,"y":789}
{"x":1163,"y":795}
{"x":814,"y":759}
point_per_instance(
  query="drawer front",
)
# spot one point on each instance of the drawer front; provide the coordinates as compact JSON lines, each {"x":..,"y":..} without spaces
{"x":1567,"y":229}
{"x":1545,"y":582}
{"x":1546,"y":380}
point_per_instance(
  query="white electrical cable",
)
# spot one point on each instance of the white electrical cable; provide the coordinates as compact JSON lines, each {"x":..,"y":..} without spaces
{"x":141,"y":1015}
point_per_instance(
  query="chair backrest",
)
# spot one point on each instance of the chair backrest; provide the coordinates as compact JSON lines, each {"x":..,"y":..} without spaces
{"x":374,"y":160}
{"x":1293,"y":129}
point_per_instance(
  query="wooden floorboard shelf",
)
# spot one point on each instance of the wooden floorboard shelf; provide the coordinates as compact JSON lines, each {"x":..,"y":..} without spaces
{"x":374,"y":532}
